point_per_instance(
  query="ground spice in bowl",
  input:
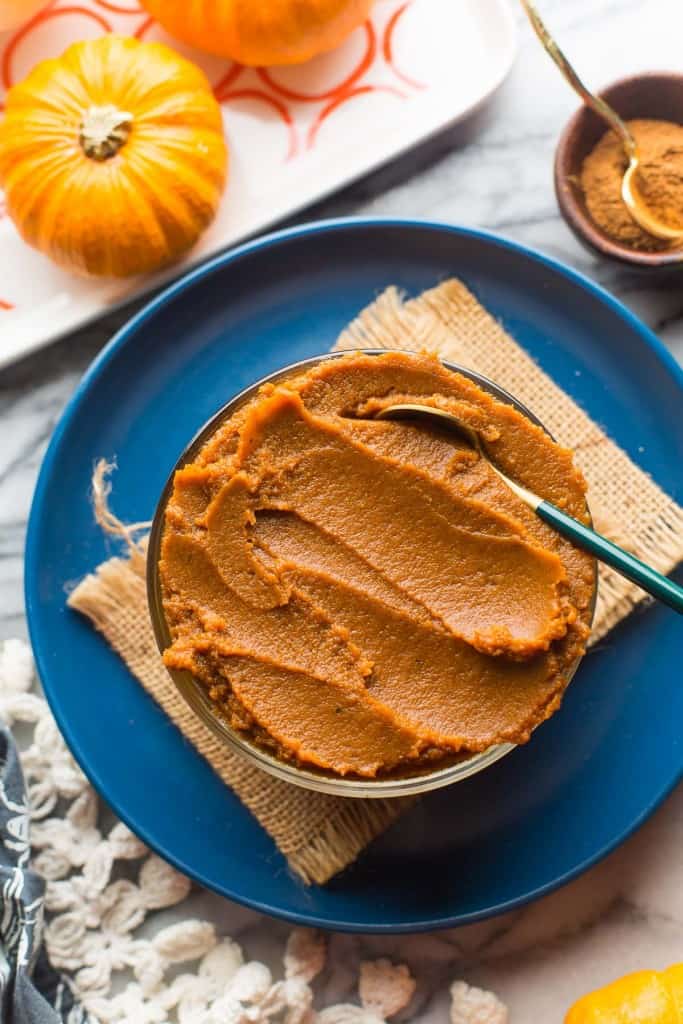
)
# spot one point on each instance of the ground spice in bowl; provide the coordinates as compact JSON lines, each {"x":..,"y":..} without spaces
{"x":660,"y":182}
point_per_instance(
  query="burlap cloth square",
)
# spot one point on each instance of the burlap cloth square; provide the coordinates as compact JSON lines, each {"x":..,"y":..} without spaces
{"x":318,"y":834}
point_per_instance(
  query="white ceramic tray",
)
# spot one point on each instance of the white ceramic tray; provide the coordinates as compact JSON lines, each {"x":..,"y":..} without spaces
{"x":295,"y":134}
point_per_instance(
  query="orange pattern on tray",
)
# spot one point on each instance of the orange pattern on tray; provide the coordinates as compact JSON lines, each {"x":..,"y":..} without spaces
{"x":130,"y":18}
{"x":300,"y":99}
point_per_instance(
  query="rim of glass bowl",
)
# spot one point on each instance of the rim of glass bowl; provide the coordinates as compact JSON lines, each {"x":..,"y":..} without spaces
{"x":194,"y":694}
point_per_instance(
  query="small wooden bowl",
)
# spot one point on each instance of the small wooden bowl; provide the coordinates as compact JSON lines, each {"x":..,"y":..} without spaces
{"x":657,"y":94}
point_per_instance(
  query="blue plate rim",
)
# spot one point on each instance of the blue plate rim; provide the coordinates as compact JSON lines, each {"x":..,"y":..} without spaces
{"x":119,"y":339}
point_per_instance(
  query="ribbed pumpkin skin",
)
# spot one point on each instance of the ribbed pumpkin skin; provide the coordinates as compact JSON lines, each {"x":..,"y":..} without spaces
{"x":140,"y":209}
{"x":261,"y":32}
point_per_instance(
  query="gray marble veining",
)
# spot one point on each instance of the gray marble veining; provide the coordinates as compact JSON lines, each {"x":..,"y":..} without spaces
{"x":494,"y":171}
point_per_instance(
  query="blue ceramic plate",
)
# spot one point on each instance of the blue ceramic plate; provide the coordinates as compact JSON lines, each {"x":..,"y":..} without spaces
{"x":526,"y":825}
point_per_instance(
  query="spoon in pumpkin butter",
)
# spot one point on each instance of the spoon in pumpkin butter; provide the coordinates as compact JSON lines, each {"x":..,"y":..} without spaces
{"x":578,"y":533}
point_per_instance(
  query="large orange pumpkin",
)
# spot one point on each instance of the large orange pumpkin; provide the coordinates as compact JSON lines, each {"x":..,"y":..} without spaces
{"x":261,"y":32}
{"x":14,"y":12}
{"x":112,"y":156}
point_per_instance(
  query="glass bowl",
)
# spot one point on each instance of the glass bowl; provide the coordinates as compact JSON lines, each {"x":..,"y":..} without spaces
{"x":192,"y":691}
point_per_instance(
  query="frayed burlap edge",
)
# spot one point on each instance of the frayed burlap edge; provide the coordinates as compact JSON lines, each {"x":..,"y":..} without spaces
{"x":318,"y":834}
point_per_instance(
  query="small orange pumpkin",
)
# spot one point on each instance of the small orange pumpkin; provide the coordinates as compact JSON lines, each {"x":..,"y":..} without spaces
{"x":261,"y":32}
{"x":646,"y":997}
{"x":112,"y":156}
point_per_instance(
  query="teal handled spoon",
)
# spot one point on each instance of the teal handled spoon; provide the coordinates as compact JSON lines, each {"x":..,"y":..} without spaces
{"x":583,"y":536}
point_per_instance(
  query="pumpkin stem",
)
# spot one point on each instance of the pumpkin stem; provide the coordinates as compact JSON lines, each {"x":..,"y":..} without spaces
{"x":104,"y":130}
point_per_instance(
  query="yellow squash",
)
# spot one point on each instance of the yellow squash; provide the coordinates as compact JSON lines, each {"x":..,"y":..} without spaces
{"x":646,"y":997}
{"x":112,"y":156}
{"x":261,"y":32}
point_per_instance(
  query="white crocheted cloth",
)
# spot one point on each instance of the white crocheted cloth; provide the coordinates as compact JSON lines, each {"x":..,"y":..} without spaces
{"x":102,"y":886}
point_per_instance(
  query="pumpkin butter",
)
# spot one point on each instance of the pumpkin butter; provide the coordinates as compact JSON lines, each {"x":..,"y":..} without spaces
{"x":367,"y":597}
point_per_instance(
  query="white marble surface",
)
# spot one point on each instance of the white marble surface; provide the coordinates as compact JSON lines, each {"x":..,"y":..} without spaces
{"x":494,"y":171}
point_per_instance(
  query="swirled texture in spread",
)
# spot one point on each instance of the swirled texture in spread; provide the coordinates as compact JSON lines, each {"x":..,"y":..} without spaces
{"x":365,"y":596}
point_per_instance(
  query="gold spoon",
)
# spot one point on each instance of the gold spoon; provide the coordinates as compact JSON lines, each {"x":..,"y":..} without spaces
{"x":577,"y":532}
{"x":629,"y":187}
